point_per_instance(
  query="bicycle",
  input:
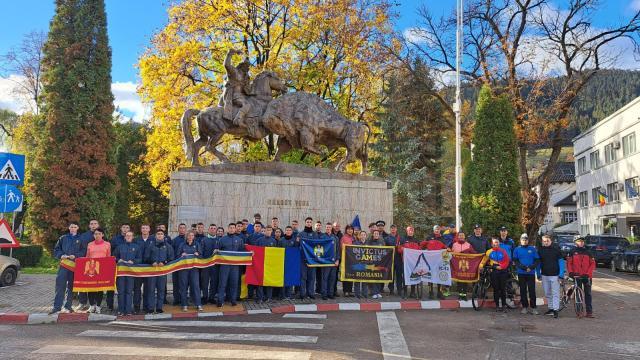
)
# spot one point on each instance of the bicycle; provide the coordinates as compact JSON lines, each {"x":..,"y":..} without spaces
{"x":480,"y":288}
{"x":512,"y":288}
{"x":574,"y":294}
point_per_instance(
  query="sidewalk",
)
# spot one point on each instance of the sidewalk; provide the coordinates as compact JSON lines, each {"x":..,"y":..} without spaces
{"x":31,"y":298}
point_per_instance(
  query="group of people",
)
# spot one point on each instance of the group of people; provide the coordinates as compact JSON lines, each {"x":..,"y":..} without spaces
{"x":219,"y":283}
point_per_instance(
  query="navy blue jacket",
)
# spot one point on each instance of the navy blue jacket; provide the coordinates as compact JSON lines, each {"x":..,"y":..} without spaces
{"x":231,"y":242}
{"x":69,"y":245}
{"x":142,"y":244}
{"x":85,"y":238}
{"x":267,"y":241}
{"x":254,"y":238}
{"x":117,"y":241}
{"x":285,"y":243}
{"x":128,"y":252}
{"x":159,"y":252}
{"x":177,"y":241}
{"x":189,"y":249}
{"x":208,"y":245}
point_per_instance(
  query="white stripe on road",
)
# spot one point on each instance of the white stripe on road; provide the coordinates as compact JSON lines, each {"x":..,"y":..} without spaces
{"x":609,"y":275}
{"x":394,"y":346}
{"x":201,"y":336}
{"x":170,"y":352}
{"x":305,"y":316}
{"x":619,"y":287}
{"x":235,"y":324}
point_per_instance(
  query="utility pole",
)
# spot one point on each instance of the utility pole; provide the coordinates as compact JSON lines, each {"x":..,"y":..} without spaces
{"x":458,"y":108}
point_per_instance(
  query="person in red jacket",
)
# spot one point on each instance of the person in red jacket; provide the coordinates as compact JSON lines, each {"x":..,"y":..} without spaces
{"x":409,"y":242}
{"x":434,"y":243}
{"x":580,"y":265}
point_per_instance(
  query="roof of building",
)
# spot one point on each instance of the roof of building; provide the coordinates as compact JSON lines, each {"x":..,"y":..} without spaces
{"x":567,"y":201}
{"x":564,"y":172}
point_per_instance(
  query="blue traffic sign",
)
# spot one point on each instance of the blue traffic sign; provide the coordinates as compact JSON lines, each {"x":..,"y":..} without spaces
{"x":11,"y":169}
{"x":10,"y":198}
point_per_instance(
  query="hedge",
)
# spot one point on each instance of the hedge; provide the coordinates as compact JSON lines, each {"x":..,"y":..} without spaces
{"x":28,"y":255}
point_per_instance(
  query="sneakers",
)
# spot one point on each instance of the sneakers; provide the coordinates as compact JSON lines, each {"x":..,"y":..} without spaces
{"x":184,"y":309}
{"x":524,"y":311}
{"x":590,"y":315}
{"x":97,"y":310}
{"x":91,"y":309}
{"x":200,"y":308}
{"x":549,"y":312}
{"x":54,"y":312}
{"x":555,"y":314}
{"x":534,"y":311}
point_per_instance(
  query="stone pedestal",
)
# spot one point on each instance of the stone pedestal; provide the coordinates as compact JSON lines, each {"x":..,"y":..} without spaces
{"x":227,"y":193}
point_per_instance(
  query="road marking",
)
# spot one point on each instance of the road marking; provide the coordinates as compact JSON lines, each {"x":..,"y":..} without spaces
{"x":236,"y":324}
{"x":200,"y":336}
{"x":621,"y":287}
{"x":613,"y":276}
{"x":394,"y":346}
{"x":170,"y":352}
{"x":305,"y":316}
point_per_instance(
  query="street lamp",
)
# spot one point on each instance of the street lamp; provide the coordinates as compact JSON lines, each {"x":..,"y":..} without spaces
{"x":457,"y":108}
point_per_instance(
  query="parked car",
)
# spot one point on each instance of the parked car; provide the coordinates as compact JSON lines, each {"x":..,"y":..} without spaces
{"x":626,"y":259}
{"x":602,"y":246}
{"x":565,"y":242}
{"x":9,"y":268}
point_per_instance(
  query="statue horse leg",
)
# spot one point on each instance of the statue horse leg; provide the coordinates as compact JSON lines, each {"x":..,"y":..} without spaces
{"x":307,"y":142}
{"x":211,"y":147}
{"x":283,"y":147}
{"x":195,"y":154}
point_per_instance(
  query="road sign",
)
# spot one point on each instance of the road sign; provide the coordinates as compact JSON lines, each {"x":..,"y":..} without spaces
{"x":7,"y":238}
{"x":11,"y":169}
{"x":10,"y":198}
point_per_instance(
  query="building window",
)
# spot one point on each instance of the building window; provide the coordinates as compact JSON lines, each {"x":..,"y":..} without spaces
{"x":584,"y":200}
{"x":629,"y":144}
{"x":612,"y":192}
{"x":569,"y":216}
{"x":584,"y":230}
{"x":632,"y":187}
{"x":609,"y":154}
{"x":582,"y":165}
{"x":594,"y":159}
{"x":595,"y":196}
{"x":597,"y":229}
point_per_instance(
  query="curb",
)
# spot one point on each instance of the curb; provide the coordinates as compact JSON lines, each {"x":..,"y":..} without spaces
{"x":38,"y":318}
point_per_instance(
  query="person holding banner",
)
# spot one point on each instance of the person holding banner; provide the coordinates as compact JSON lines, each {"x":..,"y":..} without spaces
{"x":308,"y":281}
{"x":376,"y":240}
{"x":229,"y":274}
{"x":98,"y":248}
{"x":498,"y":259}
{"x":330,"y":273}
{"x":209,"y":276}
{"x":436,"y":242}
{"x":126,"y":253}
{"x":410,"y":242}
{"x":68,"y":247}
{"x":288,"y":240}
{"x":265,"y":293}
{"x":190,"y":278}
{"x":85,"y":238}
{"x":159,"y":253}
{"x":360,"y":288}
{"x":175,"y":276}
{"x":139,"y":283}
{"x":347,"y":239}
{"x":461,"y":246}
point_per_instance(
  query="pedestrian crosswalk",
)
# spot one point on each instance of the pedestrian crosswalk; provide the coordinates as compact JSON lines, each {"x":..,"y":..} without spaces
{"x":214,"y":339}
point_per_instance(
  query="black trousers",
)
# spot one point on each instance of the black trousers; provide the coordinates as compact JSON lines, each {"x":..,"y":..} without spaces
{"x":498,"y":282}
{"x":585,"y":284}
{"x":527,"y":290}
{"x":95,"y":298}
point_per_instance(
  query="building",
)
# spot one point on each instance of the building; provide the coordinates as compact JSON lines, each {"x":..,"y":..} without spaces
{"x":562,"y":204}
{"x":607,"y":169}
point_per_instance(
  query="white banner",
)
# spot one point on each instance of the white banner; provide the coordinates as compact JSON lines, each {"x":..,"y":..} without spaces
{"x":429,"y":266}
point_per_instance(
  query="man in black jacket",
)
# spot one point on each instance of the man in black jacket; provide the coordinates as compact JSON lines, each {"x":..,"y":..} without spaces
{"x":550,"y":269}
{"x":478,"y":241}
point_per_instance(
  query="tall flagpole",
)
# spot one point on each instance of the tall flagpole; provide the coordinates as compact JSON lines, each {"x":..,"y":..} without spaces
{"x":458,"y":108}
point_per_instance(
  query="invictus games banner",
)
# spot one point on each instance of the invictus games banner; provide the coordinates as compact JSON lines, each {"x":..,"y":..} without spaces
{"x":429,"y":266}
{"x":373,"y":264}
{"x":94,"y":274}
{"x":464,"y":267}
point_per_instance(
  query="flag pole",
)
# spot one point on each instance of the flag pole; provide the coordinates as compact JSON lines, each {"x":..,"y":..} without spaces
{"x":457,"y":108}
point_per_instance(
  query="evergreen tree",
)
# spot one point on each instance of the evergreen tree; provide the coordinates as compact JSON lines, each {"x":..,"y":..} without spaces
{"x":490,"y":188}
{"x":409,"y":149}
{"x":73,"y":173}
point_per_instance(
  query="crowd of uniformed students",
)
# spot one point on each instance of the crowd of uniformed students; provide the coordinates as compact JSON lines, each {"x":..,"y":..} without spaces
{"x":220,"y":283}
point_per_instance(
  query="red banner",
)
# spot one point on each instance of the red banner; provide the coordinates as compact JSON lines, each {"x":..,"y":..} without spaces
{"x":464,"y":267}
{"x":94,"y":274}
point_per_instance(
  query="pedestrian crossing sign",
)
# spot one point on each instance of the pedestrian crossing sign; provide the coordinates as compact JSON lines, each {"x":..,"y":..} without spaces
{"x":12,"y":169}
{"x":7,"y":238}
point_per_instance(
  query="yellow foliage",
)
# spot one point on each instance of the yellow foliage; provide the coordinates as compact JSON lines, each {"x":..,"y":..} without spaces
{"x":335,"y":49}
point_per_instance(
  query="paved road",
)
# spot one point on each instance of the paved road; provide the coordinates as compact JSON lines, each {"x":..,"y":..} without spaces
{"x":461,"y":334}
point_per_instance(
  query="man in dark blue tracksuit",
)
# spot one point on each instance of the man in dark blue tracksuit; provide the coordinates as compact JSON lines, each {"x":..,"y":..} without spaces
{"x":254,"y":239}
{"x":139,"y":283}
{"x":175,"y":278}
{"x":69,"y":247}
{"x":308,"y":274}
{"x":265,"y":293}
{"x":287,"y":240}
{"x":209,"y":276}
{"x":85,"y":238}
{"x":329,"y":274}
{"x":159,"y":253}
{"x":126,"y":253}
{"x":190,"y":278}
{"x":116,"y":240}
{"x":229,"y":273}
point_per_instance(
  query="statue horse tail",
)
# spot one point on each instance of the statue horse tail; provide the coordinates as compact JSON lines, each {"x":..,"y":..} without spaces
{"x":365,"y":149}
{"x":185,"y":123}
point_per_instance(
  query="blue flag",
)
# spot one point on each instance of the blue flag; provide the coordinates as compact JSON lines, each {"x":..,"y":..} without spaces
{"x":356,"y":222}
{"x":319,"y":252}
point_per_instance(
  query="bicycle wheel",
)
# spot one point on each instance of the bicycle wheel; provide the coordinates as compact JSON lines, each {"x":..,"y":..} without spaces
{"x":564,"y":297}
{"x":578,"y":302}
{"x":513,"y":293}
{"x":478,"y":295}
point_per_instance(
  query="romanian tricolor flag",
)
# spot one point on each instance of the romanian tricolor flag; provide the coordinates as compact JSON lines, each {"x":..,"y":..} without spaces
{"x":272,"y":266}
{"x":602,"y":197}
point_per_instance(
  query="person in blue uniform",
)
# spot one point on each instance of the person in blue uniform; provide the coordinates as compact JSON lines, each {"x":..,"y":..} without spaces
{"x":307,"y":287}
{"x":159,"y":253}
{"x":69,"y":246}
{"x":139,"y":283}
{"x":85,"y":238}
{"x":190,"y":278}
{"x":287,"y":240}
{"x":229,"y":273}
{"x":208,"y":245}
{"x":126,"y":253}
{"x":265,"y":293}
{"x":175,"y":278}
{"x":330,"y":273}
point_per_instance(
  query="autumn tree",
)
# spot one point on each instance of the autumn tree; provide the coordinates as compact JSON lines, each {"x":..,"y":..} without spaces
{"x":73,"y":172}
{"x":490,"y":188}
{"x":333,"y":49}
{"x":541,"y":55}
